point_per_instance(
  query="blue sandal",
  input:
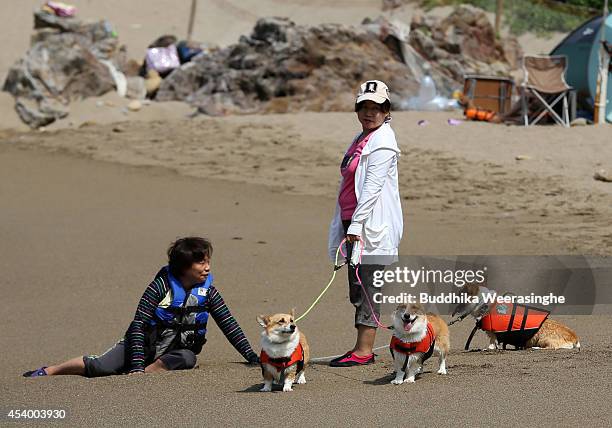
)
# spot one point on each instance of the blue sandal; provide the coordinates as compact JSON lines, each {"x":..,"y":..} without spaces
{"x":35,"y":373}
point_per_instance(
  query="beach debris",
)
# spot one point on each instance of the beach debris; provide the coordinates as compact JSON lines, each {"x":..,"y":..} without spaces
{"x":166,"y":53}
{"x":152,"y":82}
{"x":603,"y":175}
{"x":59,"y":9}
{"x":136,"y":88}
{"x":522,"y":157}
{"x":162,"y":59}
{"x":283,"y":67}
{"x":428,"y":99}
{"x":67,"y":61}
{"x":454,"y":122}
{"x":423,"y":122}
{"x":579,"y":121}
{"x":134,"y":105}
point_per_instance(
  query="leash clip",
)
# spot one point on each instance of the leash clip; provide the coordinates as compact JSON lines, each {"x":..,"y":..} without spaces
{"x":338,"y":267}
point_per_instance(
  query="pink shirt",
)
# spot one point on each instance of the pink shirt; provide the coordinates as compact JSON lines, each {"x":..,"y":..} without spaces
{"x":347,"y":198}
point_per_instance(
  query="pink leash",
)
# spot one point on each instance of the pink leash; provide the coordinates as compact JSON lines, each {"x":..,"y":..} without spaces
{"x":376,"y":320}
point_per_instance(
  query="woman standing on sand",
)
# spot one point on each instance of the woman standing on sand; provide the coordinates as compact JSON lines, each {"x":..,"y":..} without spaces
{"x":169,"y":328}
{"x":368,"y":212}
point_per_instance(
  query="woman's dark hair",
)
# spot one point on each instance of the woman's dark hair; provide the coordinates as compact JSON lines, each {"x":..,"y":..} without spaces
{"x":186,"y":251}
{"x":384,"y":107}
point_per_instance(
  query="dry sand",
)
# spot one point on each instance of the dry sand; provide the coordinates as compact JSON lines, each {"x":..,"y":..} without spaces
{"x":82,"y":238}
{"x":550,"y":194}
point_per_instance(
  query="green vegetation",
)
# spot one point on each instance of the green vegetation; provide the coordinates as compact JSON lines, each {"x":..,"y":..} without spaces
{"x":539,"y":16}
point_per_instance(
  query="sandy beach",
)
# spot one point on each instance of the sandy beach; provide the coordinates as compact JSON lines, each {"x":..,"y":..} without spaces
{"x":96,"y":231}
{"x":90,"y":204}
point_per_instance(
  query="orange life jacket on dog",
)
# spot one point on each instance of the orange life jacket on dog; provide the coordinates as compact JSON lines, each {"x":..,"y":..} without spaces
{"x":479,"y":114}
{"x":513,"y":323}
{"x":281,"y":363}
{"x":425,"y":346}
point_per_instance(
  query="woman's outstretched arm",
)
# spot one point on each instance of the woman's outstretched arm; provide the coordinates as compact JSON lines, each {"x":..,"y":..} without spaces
{"x":229,"y":326}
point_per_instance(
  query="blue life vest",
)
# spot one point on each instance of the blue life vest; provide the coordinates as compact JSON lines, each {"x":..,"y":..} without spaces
{"x":181,"y":316}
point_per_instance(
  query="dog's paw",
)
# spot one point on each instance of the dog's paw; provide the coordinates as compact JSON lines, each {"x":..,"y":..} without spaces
{"x":266,"y":388}
{"x":442,"y":371}
{"x":492,"y":347}
{"x":287,"y":388}
{"x":301,"y":379}
{"x":397,"y":381}
{"x":409,"y":379}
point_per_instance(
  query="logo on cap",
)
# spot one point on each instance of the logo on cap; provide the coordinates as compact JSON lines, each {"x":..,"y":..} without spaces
{"x":371,"y":87}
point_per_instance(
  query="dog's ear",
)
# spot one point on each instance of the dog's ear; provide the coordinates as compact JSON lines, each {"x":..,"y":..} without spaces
{"x":292,"y":313}
{"x":263,"y":320}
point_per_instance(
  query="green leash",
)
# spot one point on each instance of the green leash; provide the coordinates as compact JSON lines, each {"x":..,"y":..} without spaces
{"x":336,"y":269}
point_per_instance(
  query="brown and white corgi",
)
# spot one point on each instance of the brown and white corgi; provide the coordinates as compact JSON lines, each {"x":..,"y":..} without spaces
{"x":284,"y":351}
{"x":416,"y":335}
{"x":544,"y":333}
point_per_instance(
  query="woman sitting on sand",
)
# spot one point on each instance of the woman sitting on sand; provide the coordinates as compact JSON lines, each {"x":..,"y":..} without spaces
{"x":369,"y":211}
{"x":169,"y":328}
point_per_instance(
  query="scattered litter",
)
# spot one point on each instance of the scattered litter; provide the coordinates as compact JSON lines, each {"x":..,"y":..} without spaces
{"x":163,"y":60}
{"x":454,"y":122}
{"x":423,"y":122}
{"x":522,"y":157}
{"x":428,"y":100}
{"x":59,"y":9}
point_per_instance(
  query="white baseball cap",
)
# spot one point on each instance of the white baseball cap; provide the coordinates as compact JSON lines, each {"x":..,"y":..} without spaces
{"x":373,"y":90}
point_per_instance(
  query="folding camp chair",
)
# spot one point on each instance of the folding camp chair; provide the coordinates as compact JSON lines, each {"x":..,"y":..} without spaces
{"x":545,"y":81}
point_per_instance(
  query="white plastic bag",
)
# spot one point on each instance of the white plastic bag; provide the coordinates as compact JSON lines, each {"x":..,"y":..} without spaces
{"x":163,"y":59}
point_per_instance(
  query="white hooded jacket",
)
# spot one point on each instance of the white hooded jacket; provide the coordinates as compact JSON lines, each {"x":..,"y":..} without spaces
{"x":378,"y":215}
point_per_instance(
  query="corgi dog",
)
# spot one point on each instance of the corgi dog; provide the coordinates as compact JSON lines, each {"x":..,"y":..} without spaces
{"x":416,"y":336}
{"x":537,"y":332}
{"x":284,"y":351}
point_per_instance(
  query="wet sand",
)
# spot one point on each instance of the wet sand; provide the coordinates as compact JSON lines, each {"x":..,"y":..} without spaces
{"x":81,"y":239}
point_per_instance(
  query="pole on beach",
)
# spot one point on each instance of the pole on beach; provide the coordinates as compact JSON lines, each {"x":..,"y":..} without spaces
{"x":499,"y":10}
{"x":601,"y":96}
{"x":192,"y":12}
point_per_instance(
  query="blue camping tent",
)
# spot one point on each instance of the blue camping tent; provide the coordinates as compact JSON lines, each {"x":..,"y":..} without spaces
{"x":581,"y":47}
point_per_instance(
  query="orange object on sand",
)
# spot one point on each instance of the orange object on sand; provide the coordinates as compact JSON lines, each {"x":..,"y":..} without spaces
{"x":479,"y":114}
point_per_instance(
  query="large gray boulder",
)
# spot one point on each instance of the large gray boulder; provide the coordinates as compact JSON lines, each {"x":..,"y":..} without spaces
{"x":62,"y":65}
{"x":284,"y":67}
{"x":462,"y":43}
